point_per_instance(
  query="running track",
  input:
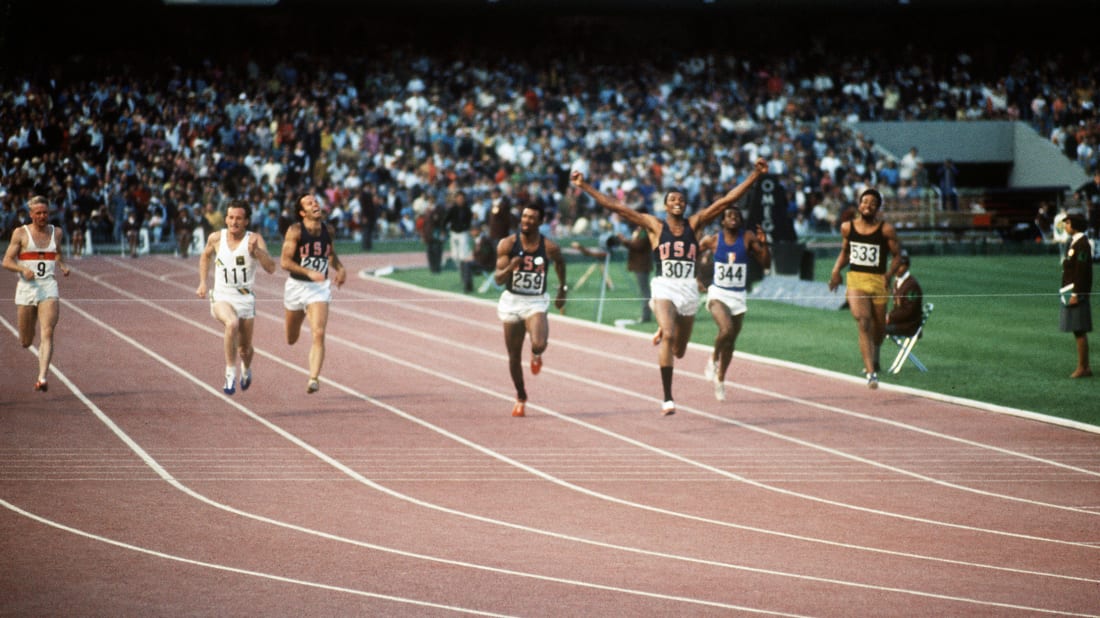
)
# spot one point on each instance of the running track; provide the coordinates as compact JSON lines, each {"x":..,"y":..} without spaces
{"x":404,"y":487}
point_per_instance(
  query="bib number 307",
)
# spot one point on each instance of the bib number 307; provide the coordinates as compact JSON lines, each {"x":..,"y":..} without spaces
{"x":678,"y":269}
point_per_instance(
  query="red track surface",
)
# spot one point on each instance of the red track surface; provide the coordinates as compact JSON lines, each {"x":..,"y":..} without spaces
{"x":135,"y":487}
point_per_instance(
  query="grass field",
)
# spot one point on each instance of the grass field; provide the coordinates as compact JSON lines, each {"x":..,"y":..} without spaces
{"x":993,"y":336}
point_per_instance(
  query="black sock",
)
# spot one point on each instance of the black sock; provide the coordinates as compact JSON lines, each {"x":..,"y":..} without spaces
{"x":666,"y":382}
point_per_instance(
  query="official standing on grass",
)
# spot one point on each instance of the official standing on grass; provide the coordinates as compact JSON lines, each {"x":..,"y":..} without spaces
{"x":35,"y":254}
{"x":235,"y":252}
{"x":522,"y":261}
{"x":308,"y":255}
{"x":866,"y":241}
{"x":1076,"y":316}
{"x":675,"y":250}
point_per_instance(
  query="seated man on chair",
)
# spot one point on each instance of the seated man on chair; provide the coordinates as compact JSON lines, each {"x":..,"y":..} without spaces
{"x":905,"y":315}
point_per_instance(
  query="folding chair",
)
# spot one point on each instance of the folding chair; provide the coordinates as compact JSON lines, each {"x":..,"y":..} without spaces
{"x":906,"y":344}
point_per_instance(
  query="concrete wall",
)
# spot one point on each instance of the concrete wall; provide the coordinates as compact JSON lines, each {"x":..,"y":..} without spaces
{"x":1036,"y":162}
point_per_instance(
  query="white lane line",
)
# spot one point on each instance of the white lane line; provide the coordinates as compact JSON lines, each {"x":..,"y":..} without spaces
{"x":170,"y":479}
{"x":386,"y":356}
{"x":774,"y":394}
{"x":235,"y":570}
{"x":732,"y":421}
{"x":353,"y":474}
{"x":410,"y":499}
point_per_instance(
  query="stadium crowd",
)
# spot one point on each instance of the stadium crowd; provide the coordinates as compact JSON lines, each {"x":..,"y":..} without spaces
{"x":382,"y":138}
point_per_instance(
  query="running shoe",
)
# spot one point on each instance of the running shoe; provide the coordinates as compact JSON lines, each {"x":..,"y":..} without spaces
{"x":668,"y":408}
{"x":519,"y":408}
{"x":314,"y":386}
{"x":872,"y":380}
{"x":230,"y":383}
{"x":536,"y":364}
{"x":41,"y":386}
{"x":246,"y":378}
{"x":719,"y":389}
{"x":709,"y":369}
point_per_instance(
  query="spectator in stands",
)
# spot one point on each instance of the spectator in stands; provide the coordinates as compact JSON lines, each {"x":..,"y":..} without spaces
{"x":185,"y":230}
{"x":76,"y":228}
{"x":501,"y":219}
{"x":458,"y":220}
{"x":1076,"y":315}
{"x":908,"y":300}
{"x":212,"y":219}
{"x":433,"y":231}
{"x":1044,"y":221}
{"x":130,"y":230}
{"x":949,"y":193}
{"x":1089,"y":195}
{"x":890,"y":175}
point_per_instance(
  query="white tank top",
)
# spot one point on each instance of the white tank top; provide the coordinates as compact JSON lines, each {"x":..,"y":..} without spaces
{"x":41,"y":260}
{"x":233,"y":270}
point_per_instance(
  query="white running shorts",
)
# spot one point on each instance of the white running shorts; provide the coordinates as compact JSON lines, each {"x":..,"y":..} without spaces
{"x":33,"y":292}
{"x":517,"y":307}
{"x":297,"y":295}
{"x":731,"y":298}
{"x":243,"y":304}
{"x":684,"y":294}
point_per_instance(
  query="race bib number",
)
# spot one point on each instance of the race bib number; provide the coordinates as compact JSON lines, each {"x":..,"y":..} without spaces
{"x":678,"y":269}
{"x":527,"y":282}
{"x":319,"y":264}
{"x":864,"y":254}
{"x":235,"y":277}
{"x":729,"y":275}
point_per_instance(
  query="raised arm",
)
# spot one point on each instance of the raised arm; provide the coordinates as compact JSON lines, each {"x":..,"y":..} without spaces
{"x":703,"y":218}
{"x":649,"y":222}
{"x":758,"y":246}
